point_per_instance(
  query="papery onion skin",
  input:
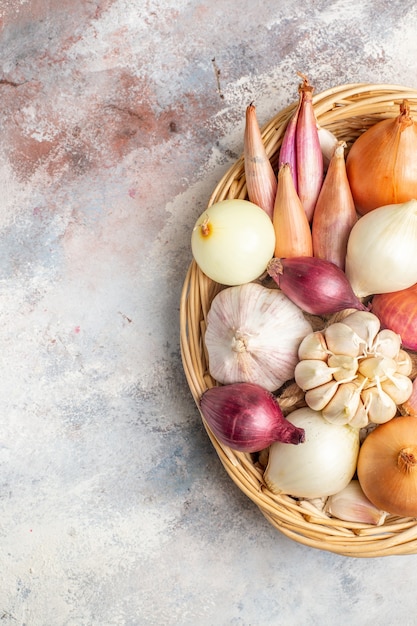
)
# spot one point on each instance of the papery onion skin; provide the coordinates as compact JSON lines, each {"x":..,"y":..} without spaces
{"x":317,"y":286}
{"x":381,"y":165}
{"x":387,"y":466}
{"x":247,"y":418}
{"x":398,"y":311}
{"x":322,"y":466}
{"x":232,"y":241}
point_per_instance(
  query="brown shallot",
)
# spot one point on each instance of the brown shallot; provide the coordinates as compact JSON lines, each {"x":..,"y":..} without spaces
{"x":292,"y":230}
{"x":335,"y":213}
{"x":309,"y":154}
{"x":301,"y":149}
{"x":261,"y":181}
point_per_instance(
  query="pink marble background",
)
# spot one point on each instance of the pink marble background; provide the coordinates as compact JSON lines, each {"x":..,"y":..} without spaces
{"x":117,"y":118}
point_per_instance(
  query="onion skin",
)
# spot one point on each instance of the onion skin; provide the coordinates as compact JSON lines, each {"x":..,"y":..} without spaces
{"x":381,"y":165}
{"x":317,"y":286}
{"x":387,"y":466}
{"x":398,"y":311}
{"x":246,"y":417}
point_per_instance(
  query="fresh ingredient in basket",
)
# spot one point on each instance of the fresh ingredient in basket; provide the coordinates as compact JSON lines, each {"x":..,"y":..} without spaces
{"x":410,"y":406}
{"x":322,"y":466}
{"x":304,"y":142}
{"x":381,"y":165}
{"x":387,"y":466}
{"x":328,"y":142}
{"x":288,"y":150}
{"x":351,"y":505}
{"x":233,"y":241}
{"x":261,"y":181}
{"x":381,"y":252}
{"x":253,"y":334}
{"x":355,"y":378}
{"x":398,"y":310}
{"x":292,"y":230}
{"x":246,"y":417}
{"x":335,"y":213}
{"x":317,"y":286}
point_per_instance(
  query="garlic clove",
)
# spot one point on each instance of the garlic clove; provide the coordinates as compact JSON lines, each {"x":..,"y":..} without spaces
{"x":365,"y":324}
{"x":360,"y":419}
{"x":311,"y":373}
{"x":346,"y":366}
{"x":328,"y":143}
{"x":313,"y":346}
{"x":379,"y":405}
{"x":410,"y":406}
{"x":351,"y":505}
{"x":318,"y":397}
{"x":341,"y":339}
{"x":344,"y":404}
{"x":398,"y":387}
{"x":387,"y":343}
{"x":377,"y":367}
{"x":404,"y":363}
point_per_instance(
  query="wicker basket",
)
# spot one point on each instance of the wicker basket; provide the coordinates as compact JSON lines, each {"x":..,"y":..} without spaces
{"x":347,"y":111}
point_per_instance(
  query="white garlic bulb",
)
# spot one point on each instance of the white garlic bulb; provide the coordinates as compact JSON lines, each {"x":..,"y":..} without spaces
{"x":253,"y":334}
{"x":363,"y":378}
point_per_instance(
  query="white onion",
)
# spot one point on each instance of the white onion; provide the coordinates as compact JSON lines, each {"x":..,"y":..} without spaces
{"x":321,"y":466}
{"x":381,"y":251}
{"x":233,"y":241}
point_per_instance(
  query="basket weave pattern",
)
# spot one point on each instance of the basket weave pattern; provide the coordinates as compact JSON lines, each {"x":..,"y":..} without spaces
{"x":346,"y":111}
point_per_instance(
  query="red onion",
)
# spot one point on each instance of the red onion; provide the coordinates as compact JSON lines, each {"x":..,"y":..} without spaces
{"x":247,"y":417}
{"x":398,"y":311}
{"x":315,"y":285}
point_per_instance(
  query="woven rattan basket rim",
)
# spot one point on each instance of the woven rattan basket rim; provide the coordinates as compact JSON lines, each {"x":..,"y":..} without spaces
{"x":346,"y":110}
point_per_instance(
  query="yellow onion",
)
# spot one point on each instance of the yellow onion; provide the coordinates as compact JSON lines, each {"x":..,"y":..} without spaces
{"x":387,"y":466}
{"x":381,"y":165}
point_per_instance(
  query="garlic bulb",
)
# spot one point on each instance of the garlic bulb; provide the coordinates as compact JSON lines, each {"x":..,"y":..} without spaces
{"x":253,"y":334}
{"x":364,"y":376}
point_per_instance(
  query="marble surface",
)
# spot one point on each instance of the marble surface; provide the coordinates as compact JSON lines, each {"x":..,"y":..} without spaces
{"x":118,"y":117}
